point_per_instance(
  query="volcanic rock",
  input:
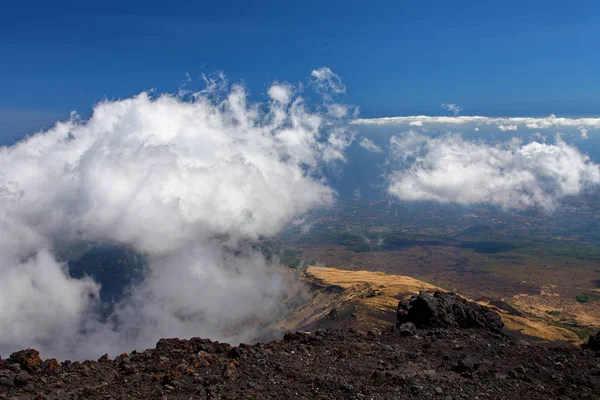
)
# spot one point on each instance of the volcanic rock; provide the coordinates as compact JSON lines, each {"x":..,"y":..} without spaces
{"x":342,"y":364}
{"x":407,"y":329}
{"x":444,"y":310}
{"x":28,"y":359}
{"x":593,"y":342}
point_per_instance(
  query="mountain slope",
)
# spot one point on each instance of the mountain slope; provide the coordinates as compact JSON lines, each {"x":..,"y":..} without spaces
{"x":333,"y":364}
{"x":367,"y":300}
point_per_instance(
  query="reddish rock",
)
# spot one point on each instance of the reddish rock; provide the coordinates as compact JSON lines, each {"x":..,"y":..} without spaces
{"x":171,"y":377}
{"x":230,"y":372}
{"x":28,"y":359}
{"x":51,"y":364}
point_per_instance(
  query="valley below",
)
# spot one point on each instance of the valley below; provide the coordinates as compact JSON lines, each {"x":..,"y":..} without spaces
{"x":349,"y":270}
{"x":543,"y":269}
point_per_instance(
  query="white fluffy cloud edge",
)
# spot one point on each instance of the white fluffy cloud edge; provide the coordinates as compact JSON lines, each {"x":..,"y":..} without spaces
{"x":459,"y":159}
{"x":184,"y":180}
{"x":511,"y":174}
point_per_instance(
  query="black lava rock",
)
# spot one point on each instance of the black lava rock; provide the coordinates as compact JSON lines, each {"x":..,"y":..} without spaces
{"x":593,"y":342}
{"x":443,"y":309}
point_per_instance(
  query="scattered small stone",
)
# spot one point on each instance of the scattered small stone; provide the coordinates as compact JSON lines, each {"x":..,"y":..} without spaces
{"x":407,"y":329}
{"x":6,"y":382}
{"x":22,"y":379}
{"x":230,"y":372}
{"x":340,"y":365}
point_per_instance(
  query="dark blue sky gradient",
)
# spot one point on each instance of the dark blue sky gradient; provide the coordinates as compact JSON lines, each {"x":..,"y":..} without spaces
{"x":509,"y":58}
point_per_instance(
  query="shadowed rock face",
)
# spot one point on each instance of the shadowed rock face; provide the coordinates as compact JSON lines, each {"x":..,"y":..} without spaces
{"x":447,"y":310}
{"x":593,"y":342}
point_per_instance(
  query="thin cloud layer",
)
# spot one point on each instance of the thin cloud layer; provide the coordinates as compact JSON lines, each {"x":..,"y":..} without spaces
{"x":511,"y":124}
{"x":368,"y":145}
{"x":327,"y":81}
{"x":185,"y":183}
{"x":511,"y":174}
{"x":453,"y":108}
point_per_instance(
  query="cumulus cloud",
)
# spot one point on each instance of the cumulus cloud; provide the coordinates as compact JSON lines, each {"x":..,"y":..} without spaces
{"x":368,"y":145}
{"x":185,"y":183}
{"x":511,"y":174}
{"x":281,"y":93}
{"x":453,"y":108}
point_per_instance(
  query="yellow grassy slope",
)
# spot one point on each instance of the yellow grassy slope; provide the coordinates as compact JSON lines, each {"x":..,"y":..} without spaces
{"x":374,"y":297}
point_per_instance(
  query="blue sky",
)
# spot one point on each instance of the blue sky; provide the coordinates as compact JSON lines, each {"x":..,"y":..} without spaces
{"x":509,"y":58}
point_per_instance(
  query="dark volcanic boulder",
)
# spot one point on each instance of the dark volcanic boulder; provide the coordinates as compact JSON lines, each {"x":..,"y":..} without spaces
{"x":447,"y":310}
{"x":28,"y":359}
{"x":593,"y":342}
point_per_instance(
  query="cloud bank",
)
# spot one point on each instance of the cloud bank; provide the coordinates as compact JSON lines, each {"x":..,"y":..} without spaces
{"x":185,"y":182}
{"x":512,"y":175}
{"x":503,"y":124}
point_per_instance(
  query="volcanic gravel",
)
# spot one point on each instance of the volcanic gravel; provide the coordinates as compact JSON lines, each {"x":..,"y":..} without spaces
{"x":434,"y":363}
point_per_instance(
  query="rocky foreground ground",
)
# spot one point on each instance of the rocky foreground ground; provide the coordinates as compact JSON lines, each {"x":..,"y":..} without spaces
{"x":442,"y":348}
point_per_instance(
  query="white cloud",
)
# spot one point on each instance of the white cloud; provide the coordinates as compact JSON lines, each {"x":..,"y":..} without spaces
{"x":281,"y":93}
{"x":511,"y":123}
{"x":183,"y":183}
{"x":336,"y":110}
{"x":327,"y":81}
{"x":453,"y":108}
{"x":512,"y":175}
{"x":368,"y":145}
{"x":504,"y":128}
{"x":584,"y":132}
